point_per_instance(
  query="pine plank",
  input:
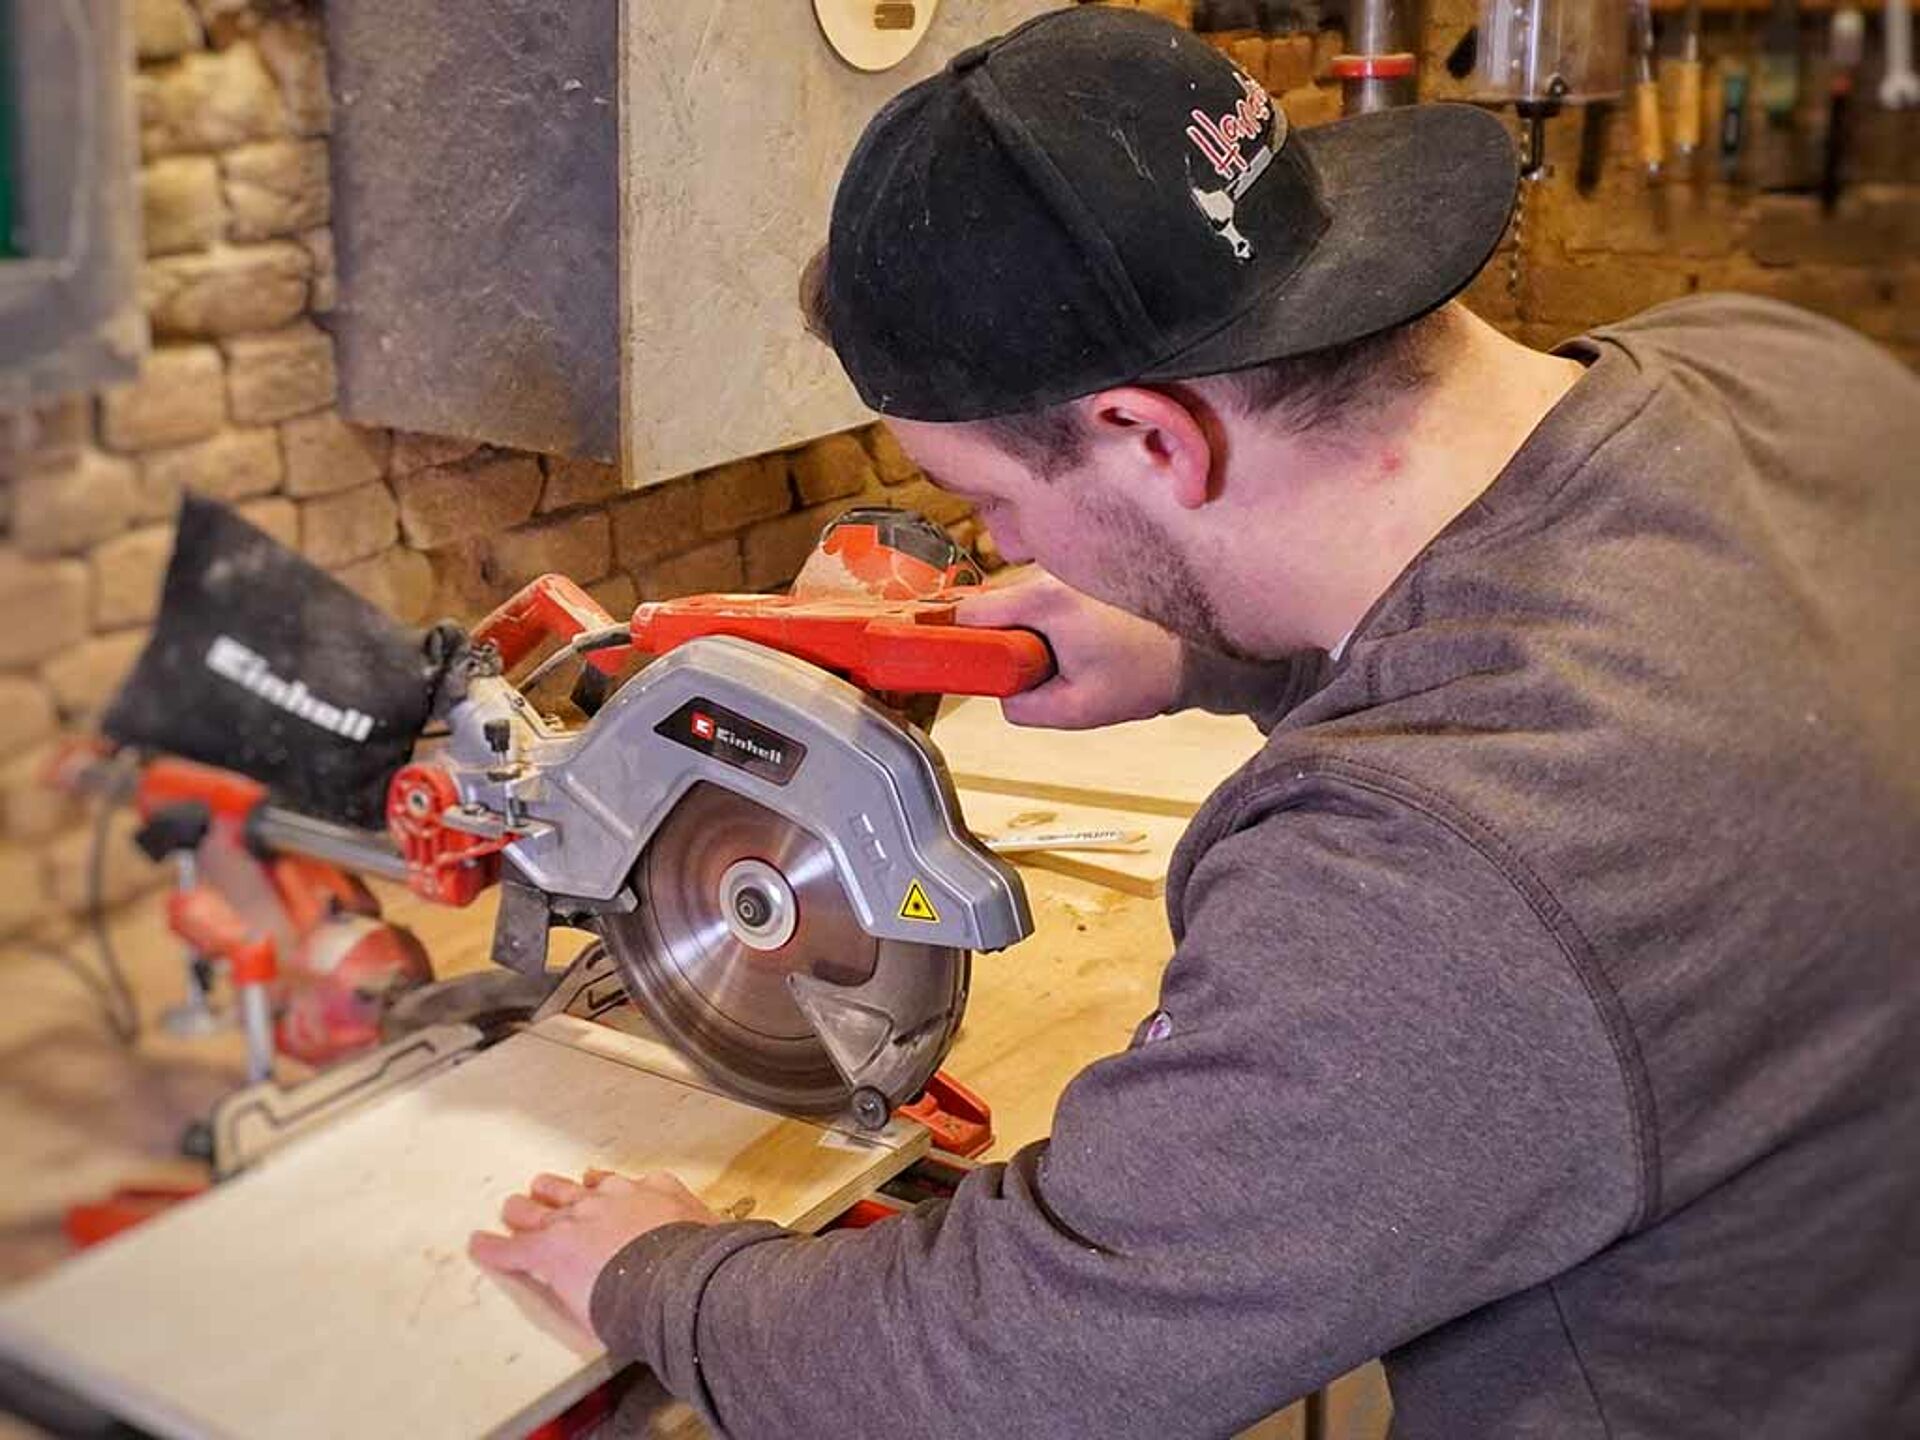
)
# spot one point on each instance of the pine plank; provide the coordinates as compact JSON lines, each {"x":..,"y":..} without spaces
{"x":1165,"y":766}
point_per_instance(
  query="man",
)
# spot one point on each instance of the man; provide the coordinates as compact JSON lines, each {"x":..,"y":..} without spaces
{"x":1543,"y":1016}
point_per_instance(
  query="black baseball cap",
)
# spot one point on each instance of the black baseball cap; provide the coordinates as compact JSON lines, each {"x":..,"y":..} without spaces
{"x":1099,"y":197}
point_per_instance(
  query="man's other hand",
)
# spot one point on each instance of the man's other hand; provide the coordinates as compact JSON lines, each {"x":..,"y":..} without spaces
{"x":563,"y":1232}
{"x":1111,"y":666}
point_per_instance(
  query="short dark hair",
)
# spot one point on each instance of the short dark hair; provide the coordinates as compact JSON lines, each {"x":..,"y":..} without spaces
{"x":1302,"y":392}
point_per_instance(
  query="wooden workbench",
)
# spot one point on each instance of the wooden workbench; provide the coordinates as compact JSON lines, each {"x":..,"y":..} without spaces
{"x":1038,"y":1014}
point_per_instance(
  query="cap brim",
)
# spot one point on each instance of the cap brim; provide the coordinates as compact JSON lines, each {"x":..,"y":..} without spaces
{"x":1419,"y":198}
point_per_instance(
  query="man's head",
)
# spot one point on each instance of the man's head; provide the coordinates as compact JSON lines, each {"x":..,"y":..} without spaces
{"x":1069,"y":485}
{"x":1088,"y":268}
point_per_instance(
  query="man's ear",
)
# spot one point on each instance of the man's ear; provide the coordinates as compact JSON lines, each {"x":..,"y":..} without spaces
{"x":1157,"y":434}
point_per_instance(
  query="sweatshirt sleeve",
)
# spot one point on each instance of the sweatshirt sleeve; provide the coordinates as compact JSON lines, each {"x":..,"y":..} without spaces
{"x":1375,"y":1097}
{"x":1264,"y":690}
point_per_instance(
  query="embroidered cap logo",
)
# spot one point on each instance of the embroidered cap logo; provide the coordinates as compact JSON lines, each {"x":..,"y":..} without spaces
{"x":1223,"y":141}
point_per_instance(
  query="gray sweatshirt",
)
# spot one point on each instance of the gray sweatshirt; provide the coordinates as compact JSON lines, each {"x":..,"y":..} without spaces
{"x":1545,"y":1013}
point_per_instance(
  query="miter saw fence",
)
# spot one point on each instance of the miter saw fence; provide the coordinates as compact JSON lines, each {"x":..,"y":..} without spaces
{"x":773,"y":856}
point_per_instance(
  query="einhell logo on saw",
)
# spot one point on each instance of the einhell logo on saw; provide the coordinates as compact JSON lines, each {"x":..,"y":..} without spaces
{"x":716,"y":731}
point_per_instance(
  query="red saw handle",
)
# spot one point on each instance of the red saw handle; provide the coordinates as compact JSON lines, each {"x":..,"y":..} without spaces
{"x":549,"y":608}
{"x":900,"y":647}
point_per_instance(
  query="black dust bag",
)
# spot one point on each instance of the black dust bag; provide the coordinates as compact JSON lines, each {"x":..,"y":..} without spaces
{"x":263,"y":663}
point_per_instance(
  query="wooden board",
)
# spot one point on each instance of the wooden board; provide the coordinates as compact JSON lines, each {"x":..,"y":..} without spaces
{"x":329,"y":1292}
{"x":736,"y":117}
{"x":1166,"y":766}
{"x":1142,"y":872}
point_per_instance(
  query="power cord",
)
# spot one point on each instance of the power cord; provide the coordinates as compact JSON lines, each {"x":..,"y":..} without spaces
{"x":109,"y":987}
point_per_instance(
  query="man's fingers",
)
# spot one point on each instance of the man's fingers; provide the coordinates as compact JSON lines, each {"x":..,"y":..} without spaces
{"x":523,"y":1212}
{"x":1060,"y":704}
{"x":665,"y":1182}
{"x":503,"y":1254}
{"x":1038,"y":707}
{"x":1008,"y":606}
{"x":608,"y":1182}
{"x":556,"y":1189}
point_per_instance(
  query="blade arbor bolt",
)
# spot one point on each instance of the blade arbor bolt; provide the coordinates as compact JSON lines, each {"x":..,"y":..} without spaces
{"x":759,"y":905}
{"x":752,"y":906}
{"x":870,"y":1108}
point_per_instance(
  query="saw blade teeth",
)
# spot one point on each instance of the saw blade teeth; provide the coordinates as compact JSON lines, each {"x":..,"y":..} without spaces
{"x":741,"y":914}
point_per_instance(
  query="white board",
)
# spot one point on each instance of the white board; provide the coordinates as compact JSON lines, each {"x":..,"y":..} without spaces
{"x":329,"y":1293}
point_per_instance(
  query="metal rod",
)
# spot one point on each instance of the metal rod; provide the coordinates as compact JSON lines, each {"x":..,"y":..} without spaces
{"x":1382,"y":27}
{"x":366,"y":851}
{"x":256,"y":1015}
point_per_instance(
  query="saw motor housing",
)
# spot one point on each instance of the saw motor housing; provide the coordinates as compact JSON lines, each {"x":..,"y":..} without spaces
{"x":577,"y":811}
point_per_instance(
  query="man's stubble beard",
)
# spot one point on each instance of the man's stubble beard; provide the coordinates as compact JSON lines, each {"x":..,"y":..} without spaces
{"x":1146,"y":575}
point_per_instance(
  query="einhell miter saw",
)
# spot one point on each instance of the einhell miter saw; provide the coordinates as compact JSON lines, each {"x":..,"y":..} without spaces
{"x":770,"y":852}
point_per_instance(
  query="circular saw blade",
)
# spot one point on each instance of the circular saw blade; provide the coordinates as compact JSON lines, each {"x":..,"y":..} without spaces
{"x":704,"y":960}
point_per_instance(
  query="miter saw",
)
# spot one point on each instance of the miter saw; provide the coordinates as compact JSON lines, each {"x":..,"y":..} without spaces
{"x":769,"y":852}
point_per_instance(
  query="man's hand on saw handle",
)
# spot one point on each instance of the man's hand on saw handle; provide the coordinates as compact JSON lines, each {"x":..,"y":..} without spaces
{"x":563,"y":1232}
{"x":1110,"y":666}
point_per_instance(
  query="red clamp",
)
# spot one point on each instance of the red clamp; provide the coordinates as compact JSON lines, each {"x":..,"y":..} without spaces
{"x":90,"y":1222}
{"x":206,"y":921}
{"x":961,"y":1122}
{"x":447,"y":866}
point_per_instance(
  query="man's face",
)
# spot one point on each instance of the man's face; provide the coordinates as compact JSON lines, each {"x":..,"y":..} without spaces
{"x":1080,"y":525}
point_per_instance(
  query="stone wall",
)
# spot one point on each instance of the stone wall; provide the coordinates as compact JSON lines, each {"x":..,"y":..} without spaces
{"x":237,"y":400}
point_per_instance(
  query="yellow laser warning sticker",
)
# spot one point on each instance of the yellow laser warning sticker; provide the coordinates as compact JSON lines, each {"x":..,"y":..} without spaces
{"x":917,"y":907}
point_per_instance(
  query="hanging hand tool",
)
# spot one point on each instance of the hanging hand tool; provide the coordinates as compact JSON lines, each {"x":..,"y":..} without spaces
{"x":1846,"y":42}
{"x":1899,"y":86}
{"x":1595,"y":123}
{"x":1686,"y":100}
{"x":1649,"y":145}
{"x":1778,"y":79}
{"x":1735,"y":73}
